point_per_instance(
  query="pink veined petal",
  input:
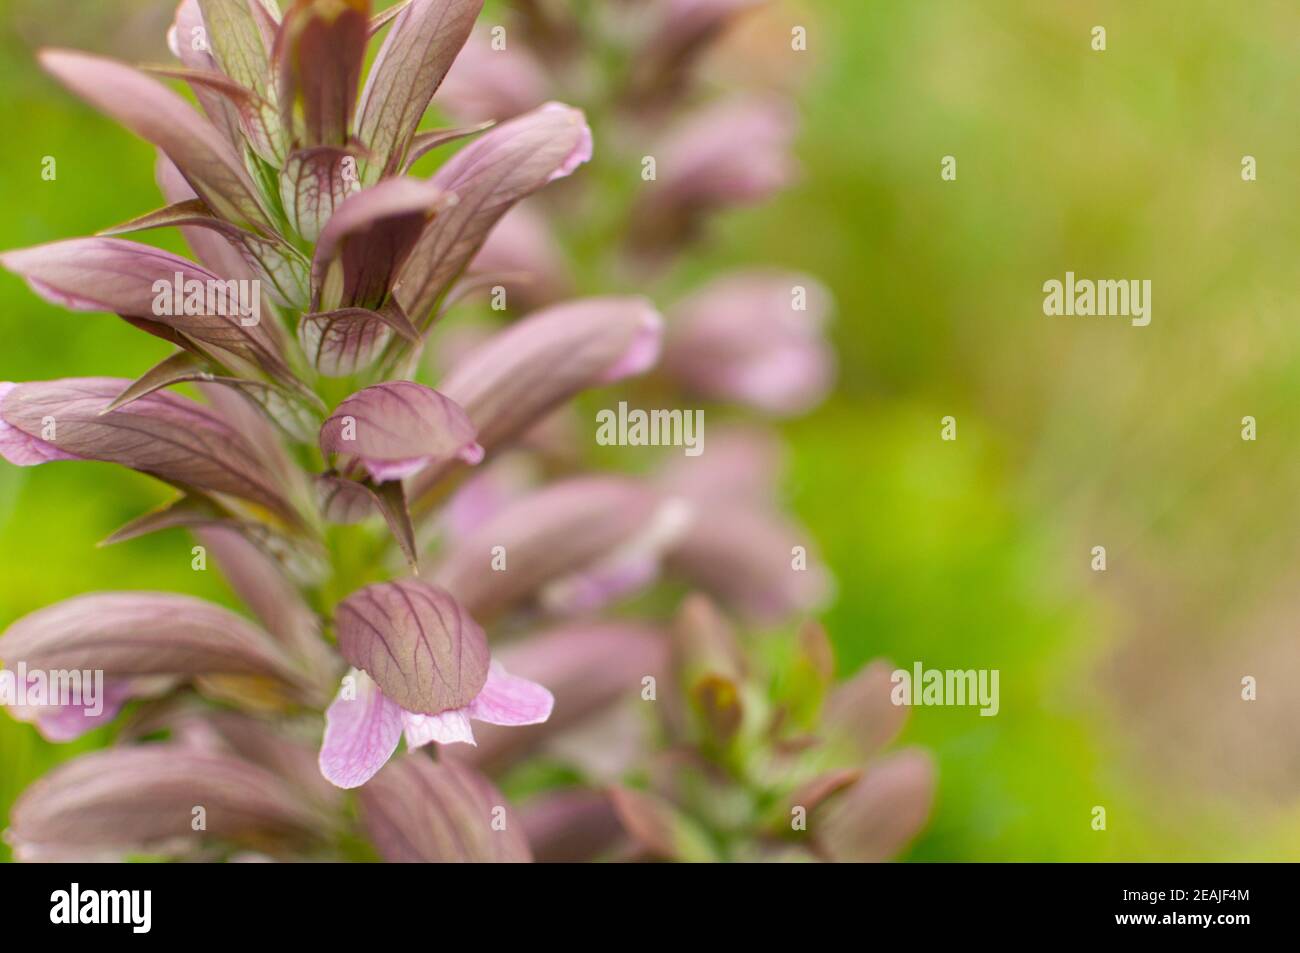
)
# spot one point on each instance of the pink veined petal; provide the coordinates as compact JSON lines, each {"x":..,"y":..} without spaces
{"x":518,"y":376}
{"x":419,"y":644}
{"x":361,"y":734}
{"x":447,"y":728}
{"x":397,"y":427}
{"x":144,"y":633}
{"x":510,"y":700}
{"x":504,"y":166}
{"x":21,"y":448}
{"x":415,"y":56}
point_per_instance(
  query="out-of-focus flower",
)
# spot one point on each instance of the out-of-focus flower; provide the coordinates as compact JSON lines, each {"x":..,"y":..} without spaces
{"x":419,"y":811}
{"x":517,"y":377}
{"x":740,"y":547}
{"x":110,"y":804}
{"x":573,"y":825}
{"x":683,"y":30}
{"x":593,"y":668}
{"x":754,"y":338}
{"x":576,"y":545}
{"x":521,"y":255}
{"x":139,"y":641}
{"x":731,"y":153}
{"x":753,"y":764}
{"x":744,"y":465}
{"x":492,"y":83}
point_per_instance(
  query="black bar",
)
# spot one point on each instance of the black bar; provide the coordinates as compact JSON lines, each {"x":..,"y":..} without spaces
{"x":338,"y":902}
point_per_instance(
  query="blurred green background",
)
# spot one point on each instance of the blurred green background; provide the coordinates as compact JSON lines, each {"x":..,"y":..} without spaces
{"x":1119,"y":689}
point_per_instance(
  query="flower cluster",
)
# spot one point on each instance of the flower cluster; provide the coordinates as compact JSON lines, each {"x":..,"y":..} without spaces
{"x":756,"y":759}
{"x":383,"y":531}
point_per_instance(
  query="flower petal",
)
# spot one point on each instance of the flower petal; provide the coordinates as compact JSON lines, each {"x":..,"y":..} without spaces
{"x":448,"y":728}
{"x":187,"y":39}
{"x":561,"y":530}
{"x":313,"y":185}
{"x":344,"y":501}
{"x":364,"y":244}
{"x":415,"y":56}
{"x":237,"y":407}
{"x":519,"y":375}
{"x":421,"y":811}
{"x":741,"y":553}
{"x":217,"y":252}
{"x":239,"y":33}
{"x":588,"y":666}
{"x":361,"y":734}
{"x":754,"y":337}
{"x":700,"y":169}
{"x":486,"y":82}
{"x":152,"y":111}
{"x":108,"y":803}
{"x":62,"y":723}
{"x":23,"y":449}
{"x":317,"y":59}
{"x":659,"y":828}
{"x":744,"y":463}
{"x":521,"y":253}
{"x":342,"y":342}
{"x":571,"y":825}
{"x":143,"y":633}
{"x":417,"y":642}
{"x":684,"y":29}
{"x":702,"y":164}
{"x":143,"y":282}
{"x":506,"y":164}
{"x":261,"y":582}
{"x":398,"y":427}
{"x":704,"y":642}
{"x":510,"y":700}
{"x":873,"y":820}
{"x":860,"y":712}
{"x":627,"y":568}
{"x":162,"y":434}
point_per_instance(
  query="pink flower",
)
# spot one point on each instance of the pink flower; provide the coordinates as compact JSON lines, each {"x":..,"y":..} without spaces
{"x":421,"y":669}
{"x":756,"y":338}
{"x":361,"y":732}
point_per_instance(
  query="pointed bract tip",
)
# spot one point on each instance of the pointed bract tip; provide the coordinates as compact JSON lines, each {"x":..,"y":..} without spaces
{"x":643,"y":351}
